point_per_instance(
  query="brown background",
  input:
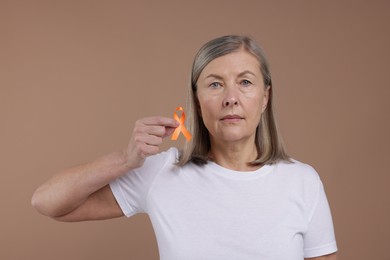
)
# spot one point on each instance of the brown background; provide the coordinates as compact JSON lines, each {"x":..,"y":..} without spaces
{"x":75,"y":75}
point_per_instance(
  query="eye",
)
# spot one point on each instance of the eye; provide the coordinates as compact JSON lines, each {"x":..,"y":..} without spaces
{"x":215,"y":85}
{"x":246,"y":83}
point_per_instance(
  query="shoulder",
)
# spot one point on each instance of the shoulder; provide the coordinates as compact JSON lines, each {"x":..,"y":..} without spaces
{"x":153,"y":166}
{"x":297,"y":169}
{"x":172,"y":153}
{"x":301,"y":178}
{"x":165,"y":158}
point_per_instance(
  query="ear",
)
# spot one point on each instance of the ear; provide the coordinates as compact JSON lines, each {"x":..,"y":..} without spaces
{"x":267,"y":92}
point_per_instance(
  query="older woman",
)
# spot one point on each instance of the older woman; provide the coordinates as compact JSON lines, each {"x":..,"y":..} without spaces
{"x":233,"y":193}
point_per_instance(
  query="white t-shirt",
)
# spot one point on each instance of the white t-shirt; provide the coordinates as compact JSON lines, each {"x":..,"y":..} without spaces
{"x":278,"y":212}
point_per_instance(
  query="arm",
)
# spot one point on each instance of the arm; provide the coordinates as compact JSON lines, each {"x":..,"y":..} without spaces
{"x":324,"y":257}
{"x":82,"y":192}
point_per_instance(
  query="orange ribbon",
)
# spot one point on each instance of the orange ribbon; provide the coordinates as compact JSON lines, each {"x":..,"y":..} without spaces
{"x":181,"y":127}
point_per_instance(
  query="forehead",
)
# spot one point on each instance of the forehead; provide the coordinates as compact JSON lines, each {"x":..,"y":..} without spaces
{"x":234,"y":62}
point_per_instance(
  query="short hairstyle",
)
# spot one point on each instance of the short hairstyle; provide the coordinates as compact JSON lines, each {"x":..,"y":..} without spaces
{"x":268,"y":141}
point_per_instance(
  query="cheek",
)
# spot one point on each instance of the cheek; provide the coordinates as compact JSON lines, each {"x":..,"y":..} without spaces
{"x":208,"y":112}
{"x":255,"y":106}
{"x":206,"y":105}
{"x":204,"y":109}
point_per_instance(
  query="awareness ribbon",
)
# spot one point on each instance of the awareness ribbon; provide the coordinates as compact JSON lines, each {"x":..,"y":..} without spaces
{"x":181,"y":127}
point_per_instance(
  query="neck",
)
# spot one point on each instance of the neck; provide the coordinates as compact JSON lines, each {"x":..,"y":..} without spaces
{"x":234,"y":156}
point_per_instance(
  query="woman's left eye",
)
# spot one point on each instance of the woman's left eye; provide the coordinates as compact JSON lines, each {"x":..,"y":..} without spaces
{"x":246,"y":82}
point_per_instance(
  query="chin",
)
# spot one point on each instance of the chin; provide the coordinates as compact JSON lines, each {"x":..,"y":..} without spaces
{"x":234,"y":138}
{"x":234,"y":135}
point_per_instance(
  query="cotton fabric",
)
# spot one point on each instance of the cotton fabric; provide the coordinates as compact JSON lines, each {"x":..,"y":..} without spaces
{"x":278,"y":212}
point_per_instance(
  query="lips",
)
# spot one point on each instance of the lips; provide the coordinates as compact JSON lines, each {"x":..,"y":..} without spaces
{"x":231,"y":118}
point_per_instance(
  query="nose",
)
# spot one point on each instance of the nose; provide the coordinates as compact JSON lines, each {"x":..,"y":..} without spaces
{"x":231,"y":98}
{"x":230,"y":101}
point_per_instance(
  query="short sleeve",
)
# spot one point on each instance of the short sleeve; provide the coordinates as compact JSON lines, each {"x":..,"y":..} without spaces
{"x":131,"y":189}
{"x":320,"y":239}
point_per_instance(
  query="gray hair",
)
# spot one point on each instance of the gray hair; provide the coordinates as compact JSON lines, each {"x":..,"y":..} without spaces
{"x":268,"y":141}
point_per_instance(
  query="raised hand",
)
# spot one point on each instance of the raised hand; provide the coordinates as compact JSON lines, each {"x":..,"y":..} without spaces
{"x":147,"y":136}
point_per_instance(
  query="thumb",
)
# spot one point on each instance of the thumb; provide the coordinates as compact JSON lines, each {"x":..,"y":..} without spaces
{"x":169,"y":130}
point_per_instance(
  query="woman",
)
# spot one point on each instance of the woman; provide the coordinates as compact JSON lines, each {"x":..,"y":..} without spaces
{"x":232,"y":194}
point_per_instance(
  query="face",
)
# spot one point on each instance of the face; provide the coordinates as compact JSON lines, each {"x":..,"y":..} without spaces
{"x":232,"y":97}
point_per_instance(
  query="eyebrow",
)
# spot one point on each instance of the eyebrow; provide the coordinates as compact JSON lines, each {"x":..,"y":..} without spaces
{"x":246,"y":72}
{"x":213,"y":76}
{"x":239,"y":75}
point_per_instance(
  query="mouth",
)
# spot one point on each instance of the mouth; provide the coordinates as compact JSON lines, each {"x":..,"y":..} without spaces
{"x":231,"y":118}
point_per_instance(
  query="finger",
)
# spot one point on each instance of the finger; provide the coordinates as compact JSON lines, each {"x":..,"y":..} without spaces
{"x":144,"y":145}
{"x":150,"y":140}
{"x":159,"y":131}
{"x":169,"y":131}
{"x":144,"y":150}
{"x":161,"y":121}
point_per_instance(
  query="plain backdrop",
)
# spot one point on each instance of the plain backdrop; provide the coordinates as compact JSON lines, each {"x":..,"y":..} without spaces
{"x":75,"y":75}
